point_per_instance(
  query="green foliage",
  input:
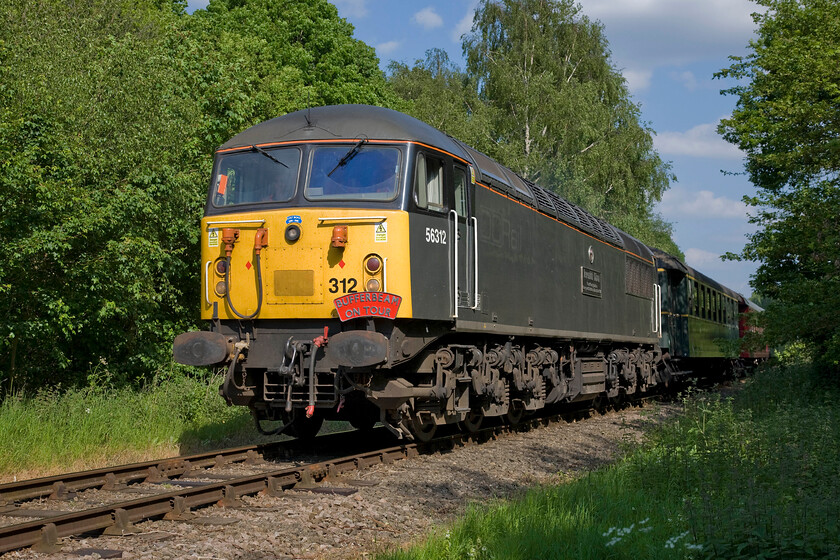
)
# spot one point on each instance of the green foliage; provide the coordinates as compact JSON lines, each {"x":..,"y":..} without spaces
{"x":437,"y":92}
{"x":109,"y":113}
{"x":102,"y":424}
{"x":540,"y":95}
{"x":98,"y":207}
{"x":256,"y":60}
{"x":752,"y":476}
{"x":759,"y":472}
{"x":786,"y":123}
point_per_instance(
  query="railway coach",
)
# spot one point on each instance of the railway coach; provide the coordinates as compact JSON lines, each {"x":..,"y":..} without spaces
{"x":359,"y":264}
{"x":703,"y":321}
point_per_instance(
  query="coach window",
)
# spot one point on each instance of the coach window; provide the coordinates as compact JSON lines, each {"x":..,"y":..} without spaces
{"x":715,"y":307}
{"x":699,"y":301}
{"x":695,"y":299}
{"x":428,"y":183}
{"x":701,"y":311}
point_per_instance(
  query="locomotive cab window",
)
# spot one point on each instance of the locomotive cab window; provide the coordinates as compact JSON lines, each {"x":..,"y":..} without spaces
{"x":460,"y":191}
{"x":256,"y":176}
{"x":428,"y":183}
{"x":353,"y":172}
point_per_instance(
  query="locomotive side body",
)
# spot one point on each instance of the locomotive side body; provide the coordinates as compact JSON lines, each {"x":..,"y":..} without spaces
{"x":360,"y":265}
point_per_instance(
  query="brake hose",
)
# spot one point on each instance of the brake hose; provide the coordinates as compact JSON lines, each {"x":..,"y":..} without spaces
{"x":260,"y":241}
{"x":259,"y":289}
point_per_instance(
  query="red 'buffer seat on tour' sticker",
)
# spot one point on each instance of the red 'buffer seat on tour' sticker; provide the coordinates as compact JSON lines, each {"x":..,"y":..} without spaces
{"x":368,"y":304}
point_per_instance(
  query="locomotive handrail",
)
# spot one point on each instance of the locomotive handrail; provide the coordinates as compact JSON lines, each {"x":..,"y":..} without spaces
{"x":354,"y":219}
{"x":475,"y":262}
{"x":454,"y":238}
{"x":236,"y":222}
{"x":657,"y":309}
{"x":207,"y":282}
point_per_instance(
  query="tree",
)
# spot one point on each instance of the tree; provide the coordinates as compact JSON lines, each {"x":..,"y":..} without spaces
{"x":439,"y":93}
{"x":258,"y":59}
{"x":96,"y":202}
{"x":540,"y":95}
{"x":110,"y":111}
{"x":787,"y":121}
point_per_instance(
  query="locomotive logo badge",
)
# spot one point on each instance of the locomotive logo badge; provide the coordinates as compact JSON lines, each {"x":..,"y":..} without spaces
{"x":368,"y":304}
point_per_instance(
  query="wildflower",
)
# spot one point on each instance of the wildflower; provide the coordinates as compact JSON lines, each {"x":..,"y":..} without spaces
{"x":87,"y":411}
{"x":672,"y":542}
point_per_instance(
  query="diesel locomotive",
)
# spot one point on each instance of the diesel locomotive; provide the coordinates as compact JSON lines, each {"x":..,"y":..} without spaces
{"x":358,"y":264}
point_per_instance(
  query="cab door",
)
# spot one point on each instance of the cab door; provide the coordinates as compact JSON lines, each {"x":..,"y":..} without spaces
{"x":464,"y":249}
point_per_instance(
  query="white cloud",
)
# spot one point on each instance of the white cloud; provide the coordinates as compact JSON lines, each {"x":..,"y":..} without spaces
{"x":351,"y":8}
{"x":679,"y":201}
{"x":687,"y":78}
{"x":699,"y":141}
{"x":464,"y":25}
{"x":387,"y":48}
{"x":654,"y":33}
{"x":427,"y":18}
{"x":700,"y":259}
{"x":637,"y":80}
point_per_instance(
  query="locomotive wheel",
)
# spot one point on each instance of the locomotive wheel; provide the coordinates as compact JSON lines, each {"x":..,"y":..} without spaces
{"x":423,"y":430}
{"x":472,"y":422}
{"x":515,"y":412}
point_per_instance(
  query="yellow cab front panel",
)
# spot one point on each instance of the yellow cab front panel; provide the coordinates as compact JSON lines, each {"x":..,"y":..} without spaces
{"x":301,"y":278}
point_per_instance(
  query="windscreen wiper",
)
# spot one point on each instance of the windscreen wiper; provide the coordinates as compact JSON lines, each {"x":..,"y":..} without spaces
{"x":348,"y":156}
{"x":269,"y":156}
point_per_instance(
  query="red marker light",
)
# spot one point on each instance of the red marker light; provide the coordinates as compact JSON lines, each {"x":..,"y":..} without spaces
{"x":373,"y":264}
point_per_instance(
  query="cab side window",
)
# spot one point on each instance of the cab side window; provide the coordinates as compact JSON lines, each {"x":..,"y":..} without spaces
{"x":460,"y":191}
{"x":428,"y":183}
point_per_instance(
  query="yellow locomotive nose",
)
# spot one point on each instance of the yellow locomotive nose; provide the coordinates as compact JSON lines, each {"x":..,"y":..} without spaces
{"x":323,"y":254}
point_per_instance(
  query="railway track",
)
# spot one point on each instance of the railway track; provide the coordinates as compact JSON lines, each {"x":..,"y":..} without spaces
{"x":199,"y":481}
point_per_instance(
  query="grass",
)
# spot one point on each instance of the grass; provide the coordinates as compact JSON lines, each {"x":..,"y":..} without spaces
{"x":751,"y":476}
{"x":61,"y":430}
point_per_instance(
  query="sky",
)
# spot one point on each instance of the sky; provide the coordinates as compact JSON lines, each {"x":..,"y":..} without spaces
{"x":668,"y":51}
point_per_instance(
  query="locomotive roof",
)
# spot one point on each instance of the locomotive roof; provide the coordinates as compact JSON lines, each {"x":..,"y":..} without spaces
{"x":334,"y":122}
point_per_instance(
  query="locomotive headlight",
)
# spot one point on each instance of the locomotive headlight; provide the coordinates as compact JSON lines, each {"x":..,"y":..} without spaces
{"x":292,"y":233}
{"x":221,"y":266}
{"x":373,"y":264}
{"x":220,"y":288}
{"x":373,"y":285}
